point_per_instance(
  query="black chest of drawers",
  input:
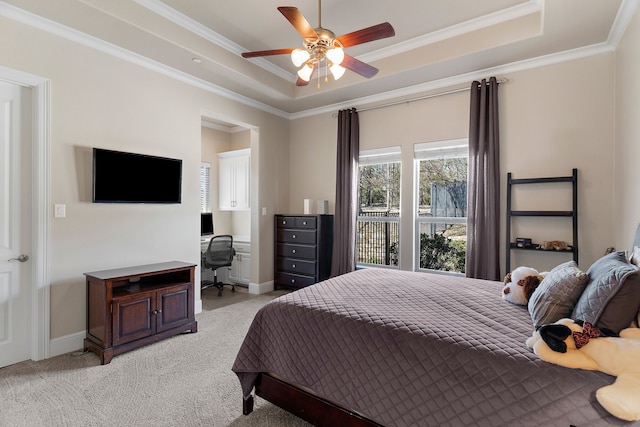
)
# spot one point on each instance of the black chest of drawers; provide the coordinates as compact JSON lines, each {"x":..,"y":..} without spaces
{"x":303,"y":245}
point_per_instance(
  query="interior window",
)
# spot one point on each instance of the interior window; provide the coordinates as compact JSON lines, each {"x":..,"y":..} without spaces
{"x":441,"y":205}
{"x":379,"y":207}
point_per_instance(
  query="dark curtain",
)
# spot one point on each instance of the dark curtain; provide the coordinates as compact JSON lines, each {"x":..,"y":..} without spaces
{"x":483,"y":215}
{"x":346,"y":205}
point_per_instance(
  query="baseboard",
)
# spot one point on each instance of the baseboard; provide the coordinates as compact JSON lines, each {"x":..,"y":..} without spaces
{"x":260,"y":288}
{"x":66,"y":344}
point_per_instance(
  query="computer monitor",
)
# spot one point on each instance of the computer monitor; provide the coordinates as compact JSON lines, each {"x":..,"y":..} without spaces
{"x":206,"y":223}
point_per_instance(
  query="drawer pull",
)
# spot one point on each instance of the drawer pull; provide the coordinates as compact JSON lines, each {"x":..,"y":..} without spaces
{"x":304,"y":222}
{"x":284,"y":222}
{"x":293,"y":236}
{"x":293,"y":280}
{"x":293,"y":266}
{"x":293,"y":251}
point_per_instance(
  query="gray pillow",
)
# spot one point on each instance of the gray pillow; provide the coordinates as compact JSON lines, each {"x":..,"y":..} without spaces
{"x":557,"y":294}
{"x":611,"y":299}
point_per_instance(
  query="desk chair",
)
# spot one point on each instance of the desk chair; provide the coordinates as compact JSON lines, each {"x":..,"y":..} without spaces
{"x":220,"y":253}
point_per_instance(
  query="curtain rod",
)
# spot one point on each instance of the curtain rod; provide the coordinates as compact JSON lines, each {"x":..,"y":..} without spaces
{"x":406,"y":101}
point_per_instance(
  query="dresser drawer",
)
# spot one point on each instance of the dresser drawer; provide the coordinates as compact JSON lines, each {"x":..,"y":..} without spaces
{"x":242,"y":247}
{"x":293,"y":265}
{"x":294,"y":280}
{"x":306,"y":222}
{"x":296,"y":251}
{"x":286,"y":222}
{"x":297,"y":236}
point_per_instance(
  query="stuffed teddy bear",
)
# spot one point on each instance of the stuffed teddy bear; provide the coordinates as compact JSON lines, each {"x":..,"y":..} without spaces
{"x":520,"y":284}
{"x":558,"y":245}
{"x":567,"y":343}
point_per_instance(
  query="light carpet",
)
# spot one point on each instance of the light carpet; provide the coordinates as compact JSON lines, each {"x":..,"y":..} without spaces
{"x":181,"y":381}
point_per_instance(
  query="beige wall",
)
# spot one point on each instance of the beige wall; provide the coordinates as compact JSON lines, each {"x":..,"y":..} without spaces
{"x":552,"y":119}
{"x":626,"y":214}
{"x":101,"y":101}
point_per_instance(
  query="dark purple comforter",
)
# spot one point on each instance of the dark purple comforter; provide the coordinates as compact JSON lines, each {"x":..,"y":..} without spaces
{"x":417,"y":349}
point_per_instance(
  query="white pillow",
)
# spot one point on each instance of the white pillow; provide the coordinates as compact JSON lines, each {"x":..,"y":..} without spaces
{"x":635,"y":256}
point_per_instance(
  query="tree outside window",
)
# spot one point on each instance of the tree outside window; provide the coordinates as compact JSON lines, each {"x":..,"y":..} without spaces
{"x":442,"y":206}
{"x":379,"y":209}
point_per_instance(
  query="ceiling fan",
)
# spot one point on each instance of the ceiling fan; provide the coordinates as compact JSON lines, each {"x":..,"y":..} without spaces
{"x":322,"y":47}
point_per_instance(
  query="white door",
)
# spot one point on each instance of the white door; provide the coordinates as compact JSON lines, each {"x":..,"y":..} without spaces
{"x":15,"y":224}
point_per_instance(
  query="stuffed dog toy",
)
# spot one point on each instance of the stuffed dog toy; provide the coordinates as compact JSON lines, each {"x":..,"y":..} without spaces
{"x":520,"y":284}
{"x":567,"y":343}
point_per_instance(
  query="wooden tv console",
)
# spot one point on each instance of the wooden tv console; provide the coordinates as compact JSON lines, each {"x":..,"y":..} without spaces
{"x":135,"y":306}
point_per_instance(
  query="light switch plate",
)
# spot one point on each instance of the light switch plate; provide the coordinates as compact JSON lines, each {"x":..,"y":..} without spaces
{"x":59,"y":211}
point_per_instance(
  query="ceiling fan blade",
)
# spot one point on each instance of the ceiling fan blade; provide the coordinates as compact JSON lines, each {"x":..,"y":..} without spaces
{"x":301,"y":82}
{"x":298,"y":21}
{"x":365,"y":35}
{"x":267,"y":52}
{"x":359,"y":67}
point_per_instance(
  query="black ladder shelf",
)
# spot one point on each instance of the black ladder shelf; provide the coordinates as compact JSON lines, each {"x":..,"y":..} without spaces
{"x":573,"y":214}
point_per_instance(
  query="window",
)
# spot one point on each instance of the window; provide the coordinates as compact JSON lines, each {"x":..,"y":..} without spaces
{"x":205,"y":187}
{"x":379,"y":207}
{"x":441,"y":205}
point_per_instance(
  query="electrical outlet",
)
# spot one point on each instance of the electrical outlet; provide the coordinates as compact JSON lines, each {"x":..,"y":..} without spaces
{"x":264,"y":211}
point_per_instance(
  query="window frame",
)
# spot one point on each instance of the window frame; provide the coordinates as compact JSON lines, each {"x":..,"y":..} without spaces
{"x":451,"y":148}
{"x":205,"y":187}
{"x":379,"y":156}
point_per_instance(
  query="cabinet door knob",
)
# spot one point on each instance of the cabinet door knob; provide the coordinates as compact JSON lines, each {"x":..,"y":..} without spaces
{"x":293,"y":280}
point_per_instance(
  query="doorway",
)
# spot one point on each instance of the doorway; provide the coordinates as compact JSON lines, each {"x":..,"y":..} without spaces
{"x":229,"y":149}
{"x":24,"y":201}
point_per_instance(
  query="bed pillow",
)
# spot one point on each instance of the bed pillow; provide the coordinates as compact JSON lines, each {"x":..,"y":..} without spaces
{"x":634,"y":258}
{"x":611,"y":299}
{"x":557,"y":294}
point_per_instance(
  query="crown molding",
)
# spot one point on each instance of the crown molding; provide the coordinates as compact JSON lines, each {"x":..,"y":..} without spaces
{"x":469,"y":26}
{"x":221,"y":128}
{"x":623,"y":18}
{"x":208,"y":34}
{"x":57,"y":29}
{"x":462,"y":79}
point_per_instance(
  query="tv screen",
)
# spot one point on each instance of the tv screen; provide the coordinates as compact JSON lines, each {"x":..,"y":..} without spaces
{"x":120,"y":177}
{"x":206,"y":223}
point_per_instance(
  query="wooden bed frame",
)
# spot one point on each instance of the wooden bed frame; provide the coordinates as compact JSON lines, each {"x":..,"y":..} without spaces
{"x":304,"y":404}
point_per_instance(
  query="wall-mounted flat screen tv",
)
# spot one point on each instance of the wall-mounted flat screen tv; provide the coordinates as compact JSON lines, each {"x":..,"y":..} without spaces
{"x":120,"y":177}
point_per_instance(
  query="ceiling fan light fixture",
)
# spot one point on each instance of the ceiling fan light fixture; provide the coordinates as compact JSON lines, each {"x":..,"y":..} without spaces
{"x":337,"y":71}
{"x":335,"y":55}
{"x":305,"y":72}
{"x":299,"y":56}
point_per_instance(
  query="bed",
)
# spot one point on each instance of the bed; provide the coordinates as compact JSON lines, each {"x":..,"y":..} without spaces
{"x":396,"y":348}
